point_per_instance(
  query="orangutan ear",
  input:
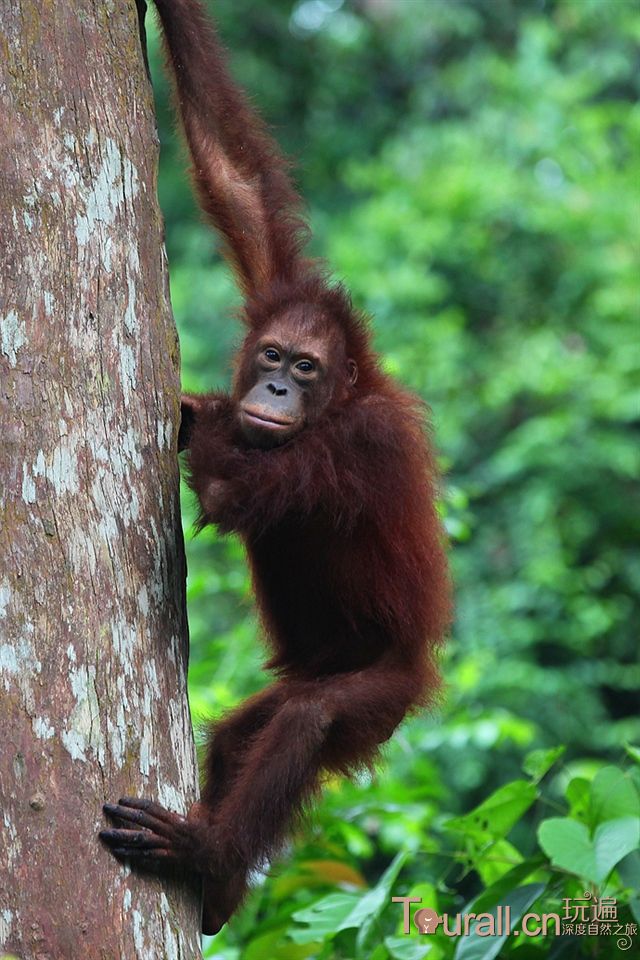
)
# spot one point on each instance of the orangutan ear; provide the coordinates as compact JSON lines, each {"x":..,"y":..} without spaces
{"x":352,"y":368}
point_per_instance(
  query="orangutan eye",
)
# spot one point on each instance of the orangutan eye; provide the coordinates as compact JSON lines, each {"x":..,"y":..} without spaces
{"x":305,"y":366}
{"x":272,"y":355}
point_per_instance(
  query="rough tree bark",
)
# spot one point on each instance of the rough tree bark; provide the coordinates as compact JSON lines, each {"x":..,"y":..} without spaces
{"x":93,"y":639}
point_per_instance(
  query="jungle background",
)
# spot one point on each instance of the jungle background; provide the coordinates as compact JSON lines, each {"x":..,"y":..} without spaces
{"x":471,"y":171}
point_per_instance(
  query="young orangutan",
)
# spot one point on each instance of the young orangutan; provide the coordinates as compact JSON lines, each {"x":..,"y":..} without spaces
{"x":319,"y":461}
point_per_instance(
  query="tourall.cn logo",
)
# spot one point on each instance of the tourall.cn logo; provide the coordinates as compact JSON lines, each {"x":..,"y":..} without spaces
{"x":586,"y":916}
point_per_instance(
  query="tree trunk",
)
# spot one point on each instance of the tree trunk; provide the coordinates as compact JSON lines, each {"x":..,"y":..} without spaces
{"x":93,"y":636}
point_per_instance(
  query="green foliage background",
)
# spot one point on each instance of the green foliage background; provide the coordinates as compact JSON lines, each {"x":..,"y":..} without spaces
{"x":471,"y":169}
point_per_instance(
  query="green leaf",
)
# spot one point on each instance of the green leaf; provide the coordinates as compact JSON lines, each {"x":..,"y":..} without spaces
{"x":578,"y":794}
{"x":633,"y":751}
{"x":375,"y":901}
{"x":427,"y":893}
{"x":496,"y":860}
{"x":475,"y":947}
{"x":497,"y":892}
{"x":538,"y":762}
{"x":411,"y":948}
{"x":629,"y":871}
{"x":345,"y":911}
{"x":325,"y":917}
{"x":568,"y":845}
{"x":497,"y":814}
{"x":613,"y":840}
{"x":379,"y":953}
{"x":274,"y":943}
{"x":613,"y":795}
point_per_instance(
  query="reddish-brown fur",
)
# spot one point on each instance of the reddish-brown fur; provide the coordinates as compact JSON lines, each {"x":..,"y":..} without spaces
{"x":339,"y":522}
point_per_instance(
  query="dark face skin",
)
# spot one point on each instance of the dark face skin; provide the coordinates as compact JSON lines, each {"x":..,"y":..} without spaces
{"x":292,"y":373}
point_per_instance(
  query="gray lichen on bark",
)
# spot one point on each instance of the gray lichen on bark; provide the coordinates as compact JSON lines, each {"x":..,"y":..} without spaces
{"x":93,"y":637}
